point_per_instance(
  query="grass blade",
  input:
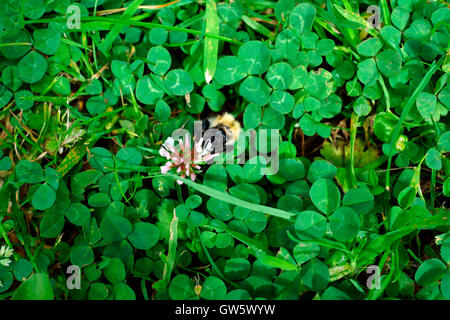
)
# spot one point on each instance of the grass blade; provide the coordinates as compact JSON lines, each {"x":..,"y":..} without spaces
{"x":356,"y":18}
{"x":249,"y":242}
{"x":276,"y":262}
{"x":148,"y":7}
{"x":386,"y":14}
{"x":406,"y":109}
{"x":106,"y":44}
{"x":211,"y":44}
{"x":173,"y":238}
{"x":353,"y":129}
{"x":382,"y":243}
{"x":321,"y":242}
{"x":211,"y":261}
{"x":258,"y":27}
{"x":104,"y":23}
{"x":232,"y":200}
{"x":259,"y":252}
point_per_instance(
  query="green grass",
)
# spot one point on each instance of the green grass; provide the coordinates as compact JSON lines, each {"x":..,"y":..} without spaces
{"x":361,"y":120}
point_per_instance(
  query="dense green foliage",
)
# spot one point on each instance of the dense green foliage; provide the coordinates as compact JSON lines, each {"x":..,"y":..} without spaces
{"x":364,"y":173}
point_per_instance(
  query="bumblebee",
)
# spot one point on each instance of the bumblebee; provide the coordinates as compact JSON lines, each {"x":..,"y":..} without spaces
{"x":221,"y":127}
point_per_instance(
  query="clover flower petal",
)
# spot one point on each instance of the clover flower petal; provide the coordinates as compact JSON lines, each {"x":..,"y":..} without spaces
{"x":5,"y":253}
{"x":186,"y":160}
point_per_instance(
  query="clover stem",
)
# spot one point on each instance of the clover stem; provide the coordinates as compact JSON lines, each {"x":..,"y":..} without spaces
{"x":180,"y":196}
{"x":433,"y":189}
{"x":5,"y":234}
{"x":386,"y":93}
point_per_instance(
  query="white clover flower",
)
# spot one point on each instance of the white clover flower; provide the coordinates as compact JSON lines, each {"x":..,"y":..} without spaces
{"x":183,"y":158}
{"x":5,"y":253}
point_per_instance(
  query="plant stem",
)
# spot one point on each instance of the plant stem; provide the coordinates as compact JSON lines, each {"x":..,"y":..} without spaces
{"x":5,"y":234}
{"x":386,"y":93}
{"x":433,"y":189}
{"x":406,"y":109}
{"x":179,"y":194}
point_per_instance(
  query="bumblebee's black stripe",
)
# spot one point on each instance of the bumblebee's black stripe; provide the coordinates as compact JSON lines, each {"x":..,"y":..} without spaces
{"x":220,"y":129}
